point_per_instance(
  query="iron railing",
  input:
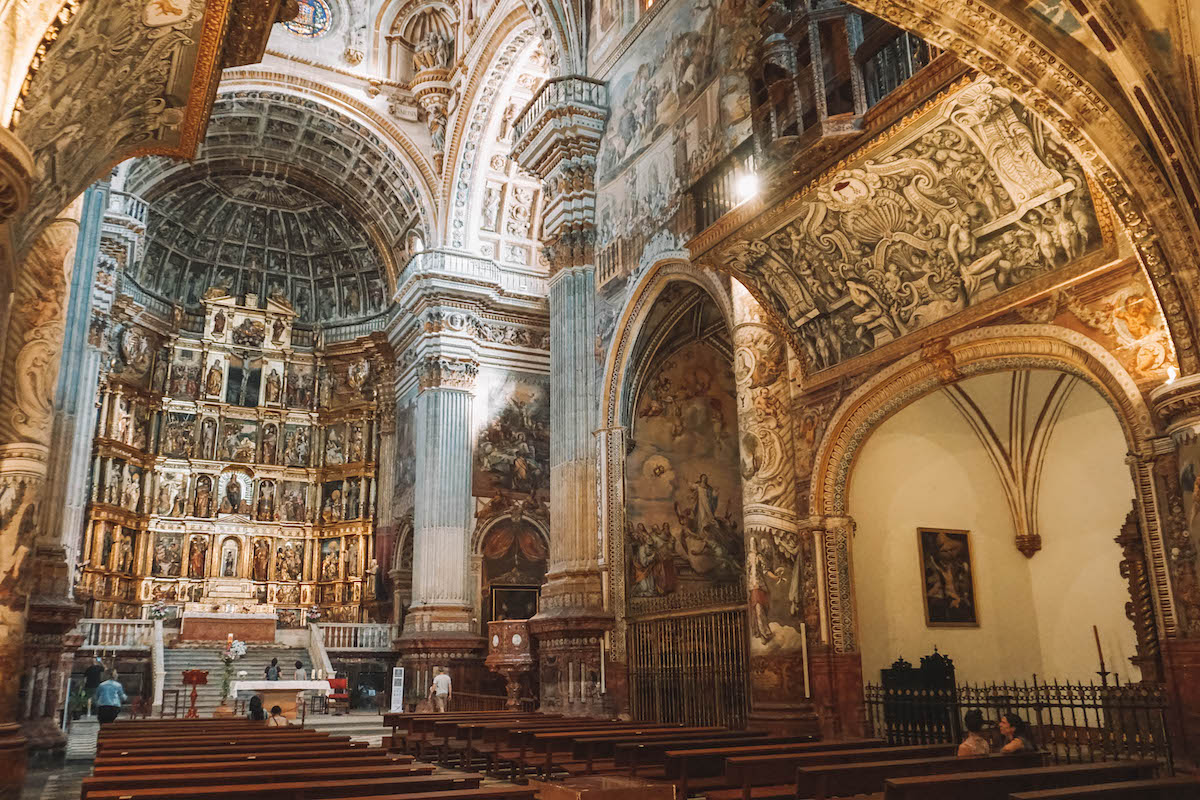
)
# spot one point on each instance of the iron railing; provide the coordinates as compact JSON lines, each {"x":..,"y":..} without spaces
{"x":1072,"y":721}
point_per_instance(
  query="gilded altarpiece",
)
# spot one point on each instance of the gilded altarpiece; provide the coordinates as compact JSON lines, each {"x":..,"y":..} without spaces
{"x":234,"y":468}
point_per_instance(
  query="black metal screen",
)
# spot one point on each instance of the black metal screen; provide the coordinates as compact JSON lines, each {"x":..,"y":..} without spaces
{"x":689,"y":669}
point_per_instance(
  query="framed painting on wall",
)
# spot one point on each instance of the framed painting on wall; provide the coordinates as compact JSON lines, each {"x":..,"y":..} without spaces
{"x":947,"y":578}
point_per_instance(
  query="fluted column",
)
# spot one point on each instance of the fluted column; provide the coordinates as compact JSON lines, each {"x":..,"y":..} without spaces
{"x":439,"y":630}
{"x":28,"y":373}
{"x":777,"y":543}
{"x":558,"y":137}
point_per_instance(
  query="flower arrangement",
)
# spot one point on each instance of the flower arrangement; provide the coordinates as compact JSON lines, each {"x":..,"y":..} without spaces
{"x":158,"y":610}
{"x":234,"y":649}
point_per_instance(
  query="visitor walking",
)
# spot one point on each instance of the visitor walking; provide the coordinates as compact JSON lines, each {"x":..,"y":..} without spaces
{"x":441,"y":690}
{"x":109,"y":697}
{"x":92,"y":676}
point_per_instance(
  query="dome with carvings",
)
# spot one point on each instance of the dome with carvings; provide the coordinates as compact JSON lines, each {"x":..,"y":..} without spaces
{"x":252,"y":234}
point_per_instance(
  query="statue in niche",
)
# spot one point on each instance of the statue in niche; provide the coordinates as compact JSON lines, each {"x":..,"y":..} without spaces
{"x":352,"y":499}
{"x":125,"y":554}
{"x":356,"y":443}
{"x":112,"y":489}
{"x":287,"y":562}
{"x":162,"y":504}
{"x":231,"y":503}
{"x":274,"y":386}
{"x":106,"y":545}
{"x":212,"y":383}
{"x":333,"y":447}
{"x":229,"y":554}
{"x":331,"y":561}
{"x":266,"y":501}
{"x":262,"y":558}
{"x":197,"y":555}
{"x":270,"y":438}
{"x":132,"y":497}
{"x":433,"y":52}
{"x":332,"y":511}
{"x":208,"y":438}
{"x":204,"y":496}
{"x":352,"y":558}
{"x":218,"y":328}
{"x":277,"y":331}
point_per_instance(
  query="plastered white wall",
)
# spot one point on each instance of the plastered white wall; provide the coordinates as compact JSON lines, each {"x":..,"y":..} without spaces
{"x":924,"y":467}
{"x":1086,"y":492}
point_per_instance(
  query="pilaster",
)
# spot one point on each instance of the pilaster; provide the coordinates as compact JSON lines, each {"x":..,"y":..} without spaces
{"x":28,"y":373}
{"x":776,"y":542}
{"x":439,"y":628}
{"x":557,"y":137}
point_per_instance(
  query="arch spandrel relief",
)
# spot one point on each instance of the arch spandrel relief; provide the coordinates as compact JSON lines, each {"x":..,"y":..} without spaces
{"x":970,"y":199}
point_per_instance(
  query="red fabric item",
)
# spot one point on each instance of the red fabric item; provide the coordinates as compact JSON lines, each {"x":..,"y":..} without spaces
{"x":500,"y":541}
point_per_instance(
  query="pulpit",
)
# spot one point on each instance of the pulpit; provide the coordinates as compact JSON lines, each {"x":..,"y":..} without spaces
{"x":510,"y":653}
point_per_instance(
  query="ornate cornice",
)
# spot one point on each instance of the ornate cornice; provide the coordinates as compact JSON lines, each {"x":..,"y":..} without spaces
{"x":1177,"y":404}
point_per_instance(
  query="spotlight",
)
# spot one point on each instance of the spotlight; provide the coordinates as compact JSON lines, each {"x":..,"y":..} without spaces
{"x":746,"y":186}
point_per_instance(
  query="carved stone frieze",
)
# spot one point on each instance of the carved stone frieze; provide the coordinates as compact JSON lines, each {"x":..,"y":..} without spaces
{"x":442,"y":372}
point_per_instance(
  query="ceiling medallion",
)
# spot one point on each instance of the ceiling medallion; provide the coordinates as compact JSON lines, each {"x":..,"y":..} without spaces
{"x":313,"y":20}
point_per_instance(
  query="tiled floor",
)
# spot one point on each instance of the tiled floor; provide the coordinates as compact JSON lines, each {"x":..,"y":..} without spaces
{"x":63,"y":782}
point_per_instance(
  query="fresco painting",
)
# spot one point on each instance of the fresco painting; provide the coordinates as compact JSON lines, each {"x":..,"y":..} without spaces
{"x":683,"y":491}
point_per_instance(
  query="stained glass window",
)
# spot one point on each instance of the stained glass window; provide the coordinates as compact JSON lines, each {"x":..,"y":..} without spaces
{"x":314,"y":19}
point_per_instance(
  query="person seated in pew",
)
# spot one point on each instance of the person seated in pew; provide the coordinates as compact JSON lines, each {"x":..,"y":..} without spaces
{"x":975,"y":744}
{"x":256,"y":712}
{"x":1018,"y":736}
{"x":277,"y":719}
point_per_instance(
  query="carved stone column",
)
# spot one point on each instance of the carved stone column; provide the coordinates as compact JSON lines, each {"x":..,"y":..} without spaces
{"x":1173,"y":554}
{"x":557,"y":137}
{"x":438,"y":630}
{"x":28,"y":373}
{"x":780,"y":686}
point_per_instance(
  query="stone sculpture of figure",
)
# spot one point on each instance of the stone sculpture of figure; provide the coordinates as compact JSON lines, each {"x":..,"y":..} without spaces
{"x":270,"y":437}
{"x":356,"y":443}
{"x":219,"y":323}
{"x":273,"y":387}
{"x":266,"y":501}
{"x":133,"y":490}
{"x":277,"y":331}
{"x":232,"y":502}
{"x":228,"y":563}
{"x":197,"y":556}
{"x":262,"y":557}
{"x":212,"y":383}
{"x":204,"y":496}
{"x":162,"y":504}
{"x":125,"y":557}
{"x":433,"y":52}
{"x":352,"y":558}
{"x":208,"y":438}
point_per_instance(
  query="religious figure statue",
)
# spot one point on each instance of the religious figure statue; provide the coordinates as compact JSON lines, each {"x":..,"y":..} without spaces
{"x":133,"y":490}
{"x":352,"y":511}
{"x":356,"y":443}
{"x":218,"y":328}
{"x":208,"y":438}
{"x":204,"y":496}
{"x":228,"y":561}
{"x":232,"y":502}
{"x":162,"y":504}
{"x":266,"y":501}
{"x":270,"y":437}
{"x":433,"y":52}
{"x":277,"y":331}
{"x":273,"y":387}
{"x":212,"y":383}
{"x":197,"y":555}
{"x":352,"y":558}
{"x":262,"y":557}
{"x":125,"y":557}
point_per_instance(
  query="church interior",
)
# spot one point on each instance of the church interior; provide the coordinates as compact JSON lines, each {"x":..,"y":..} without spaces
{"x":645,"y":398}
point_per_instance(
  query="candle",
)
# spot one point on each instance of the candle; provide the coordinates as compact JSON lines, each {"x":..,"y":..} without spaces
{"x":1099,"y":652}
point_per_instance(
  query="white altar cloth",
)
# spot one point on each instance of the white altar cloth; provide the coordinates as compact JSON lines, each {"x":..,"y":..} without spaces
{"x":280,"y":686}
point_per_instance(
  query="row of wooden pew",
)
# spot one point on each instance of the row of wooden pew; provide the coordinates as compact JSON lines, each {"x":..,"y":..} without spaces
{"x":216,"y":759}
{"x":721,"y":764}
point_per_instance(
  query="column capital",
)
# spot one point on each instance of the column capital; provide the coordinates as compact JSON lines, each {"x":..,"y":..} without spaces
{"x":442,"y":372}
{"x":1177,"y":403}
{"x":557,"y":137}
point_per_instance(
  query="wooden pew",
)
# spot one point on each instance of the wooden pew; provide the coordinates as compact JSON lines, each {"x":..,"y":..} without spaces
{"x":322,"y":750}
{"x":548,"y":743}
{"x":775,"y":773}
{"x":296,"y":772}
{"x":590,"y":752}
{"x":869,"y":777}
{"x":649,"y":750}
{"x":265,"y":734}
{"x":264,"y":763}
{"x":504,"y":791}
{"x":998,"y":785}
{"x":1180,"y":788}
{"x":349,"y":787}
{"x":422,"y":730}
{"x":501,"y":742}
{"x":524,"y":745}
{"x":686,"y":766}
{"x":315,"y":746}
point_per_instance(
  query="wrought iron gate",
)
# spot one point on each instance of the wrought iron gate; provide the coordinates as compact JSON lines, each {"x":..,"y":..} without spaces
{"x":689,"y":669}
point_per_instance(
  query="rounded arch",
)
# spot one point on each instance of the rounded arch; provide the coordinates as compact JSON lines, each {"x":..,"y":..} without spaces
{"x":1064,"y":85}
{"x":633,"y":317}
{"x":976,"y":352}
{"x":461,"y":183}
{"x":485,"y":526}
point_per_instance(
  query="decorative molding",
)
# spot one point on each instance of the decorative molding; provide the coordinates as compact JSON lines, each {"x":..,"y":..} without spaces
{"x":442,"y":372}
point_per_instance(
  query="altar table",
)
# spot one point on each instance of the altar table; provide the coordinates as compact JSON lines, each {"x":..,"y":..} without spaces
{"x":216,"y":626}
{"x":279,"y":693}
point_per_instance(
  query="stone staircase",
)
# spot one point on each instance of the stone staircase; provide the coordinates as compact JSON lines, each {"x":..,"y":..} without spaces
{"x":208,"y":697}
{"x":360,"y":726}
